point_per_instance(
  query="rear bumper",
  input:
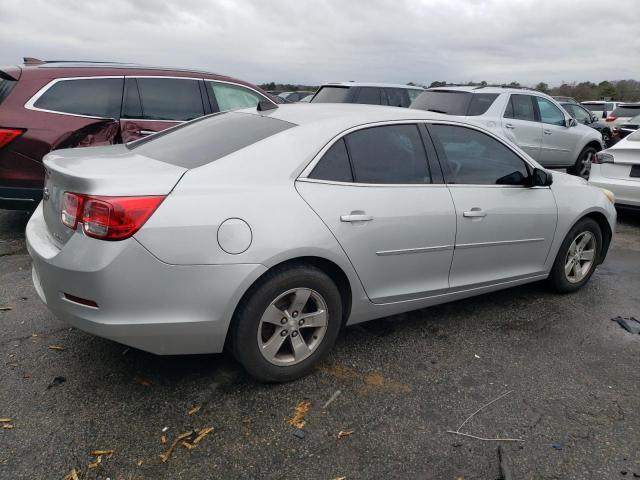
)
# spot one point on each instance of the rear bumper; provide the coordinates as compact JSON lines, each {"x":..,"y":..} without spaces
{"x":627,"y":192}
{"x":16,"y":198}
{"x":142,"y":302}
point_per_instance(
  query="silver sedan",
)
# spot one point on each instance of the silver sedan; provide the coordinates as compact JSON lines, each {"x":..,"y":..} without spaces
{"x":266,"y":231}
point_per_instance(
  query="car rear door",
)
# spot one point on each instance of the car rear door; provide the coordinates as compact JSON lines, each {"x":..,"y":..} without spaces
{"x":559,"y":142}
{"x":395,"y":224}
{"x":504,"y":227}
{"x":153,"y":104}
{"x":521,"y":126}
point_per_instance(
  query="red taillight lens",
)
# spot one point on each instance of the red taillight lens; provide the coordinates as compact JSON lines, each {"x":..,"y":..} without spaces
{"x":611,"y":118}
{"x":71,"y":208}
{"x":7,"y":135}
{"x":109,"y":218}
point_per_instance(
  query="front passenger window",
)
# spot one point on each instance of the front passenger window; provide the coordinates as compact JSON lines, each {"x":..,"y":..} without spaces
{"x":474,"y":158}
{"x":549,"y":113}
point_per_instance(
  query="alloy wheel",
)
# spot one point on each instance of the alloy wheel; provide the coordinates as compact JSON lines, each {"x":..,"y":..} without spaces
{"x":292,"y":327}
{"x":580,"y":257}
{"x":584,"y":164}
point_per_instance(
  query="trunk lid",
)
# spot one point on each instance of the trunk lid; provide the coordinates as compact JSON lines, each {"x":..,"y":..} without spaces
{"x":626,"y":161}
{"x":103,"y":171}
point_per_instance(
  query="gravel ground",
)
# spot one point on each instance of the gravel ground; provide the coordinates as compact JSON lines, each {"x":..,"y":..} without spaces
{"x":573,"y":375}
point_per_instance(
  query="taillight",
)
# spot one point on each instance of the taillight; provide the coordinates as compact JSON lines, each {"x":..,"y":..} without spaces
{"x":611,"y":118}
{"x":7,"y":135}
{"x":602,"y":157}
{"x":108,"y":218}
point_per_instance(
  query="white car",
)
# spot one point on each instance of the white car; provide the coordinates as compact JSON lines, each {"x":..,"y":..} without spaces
{"x":618,"y":169}
{"x":394,"y":95}
{"x":530,"y":119}
{"x":600,"y":108}
{"x":622,"y":114}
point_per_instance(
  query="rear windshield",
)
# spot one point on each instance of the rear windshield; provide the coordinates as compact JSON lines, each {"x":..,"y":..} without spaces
{"x":207,"y":139}
{"x":634,"y":137}
{"x":595,"y":107}
{"x":5,"y":87}
{"x":626,"y":111}
{"x":454,"y":103}
{"x":331,"y":95}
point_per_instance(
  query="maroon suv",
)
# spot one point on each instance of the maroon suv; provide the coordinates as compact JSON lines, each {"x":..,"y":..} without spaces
{"x":45,"y":106}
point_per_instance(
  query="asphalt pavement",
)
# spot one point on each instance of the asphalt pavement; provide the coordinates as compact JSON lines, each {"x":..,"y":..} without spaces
{"x":570,"y":374}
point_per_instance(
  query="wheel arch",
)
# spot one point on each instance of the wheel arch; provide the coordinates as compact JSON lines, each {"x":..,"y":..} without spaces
{"x":605,"y":228}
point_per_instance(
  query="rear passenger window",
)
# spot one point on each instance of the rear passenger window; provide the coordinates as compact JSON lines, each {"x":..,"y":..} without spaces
{"x":170,"y":99}
{"x":397,"y":97}
{"x":368,"y":95}
{"x":521,"y":107}
{"x":233,"y":97}
{"x":475,"y":158}
{"x":388,"y":154}
{"x":334,"y":165}
{"x":93,"y":97}
{"x":480,"y":103}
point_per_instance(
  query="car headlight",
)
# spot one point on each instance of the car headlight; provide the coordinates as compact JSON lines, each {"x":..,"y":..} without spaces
{"x":609,"y":194}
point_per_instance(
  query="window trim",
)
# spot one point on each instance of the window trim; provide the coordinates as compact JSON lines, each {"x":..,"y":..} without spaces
{"x":303,"y":177}
{"x":211,"y":94}
{"x":29,"y":105}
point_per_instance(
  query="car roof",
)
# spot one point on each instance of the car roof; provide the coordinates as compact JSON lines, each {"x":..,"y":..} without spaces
{"x":483,"y":89}
{"x":371,"y":84}
{"x":34,"y":62}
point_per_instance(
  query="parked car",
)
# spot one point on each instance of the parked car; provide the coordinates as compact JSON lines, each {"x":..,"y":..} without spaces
{"x":586,"y":117}
{"x":295,"y":96}
{"x":269,"y":231}
{"x":561,"y":99}
{"x":306,"y":99}
{"x":624,"y":129}
{"x":600,"y":107}
{"x":622,"y":114}
{"x":45,"y":106}
{"x":367,"y":93}
{"x":618,"y":170}
{"x":530,"y":119}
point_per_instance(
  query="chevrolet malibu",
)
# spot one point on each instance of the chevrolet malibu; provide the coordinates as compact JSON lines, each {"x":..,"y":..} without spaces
{"x":265,"y":231}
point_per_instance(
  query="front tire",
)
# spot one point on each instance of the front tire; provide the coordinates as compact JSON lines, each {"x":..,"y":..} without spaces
{"x":577,"y":258}
{"x":286,"y":323}
{"x":582,"y":167}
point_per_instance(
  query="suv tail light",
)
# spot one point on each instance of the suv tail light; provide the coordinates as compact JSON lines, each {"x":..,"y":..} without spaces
{"x":601,"y":157}
{"x":7,"y":135}
{"x":108,"y":218}
{"x":611,"y":118}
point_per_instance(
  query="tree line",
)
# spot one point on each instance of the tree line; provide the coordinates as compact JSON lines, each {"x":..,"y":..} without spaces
{"x":618,"y":90}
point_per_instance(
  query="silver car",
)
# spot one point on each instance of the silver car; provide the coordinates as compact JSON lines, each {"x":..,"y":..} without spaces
{"x":532,"y":120}
{"x":267,"y":231}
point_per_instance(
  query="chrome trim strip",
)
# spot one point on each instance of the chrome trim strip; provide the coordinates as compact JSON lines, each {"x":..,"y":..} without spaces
{"x":386,"y":185}
{"x":501,"y":242}
{"x":438,"y":248}
{"x":18,"y":199}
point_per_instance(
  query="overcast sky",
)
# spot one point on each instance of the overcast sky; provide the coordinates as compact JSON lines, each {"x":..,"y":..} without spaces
{"x":305,"y":41}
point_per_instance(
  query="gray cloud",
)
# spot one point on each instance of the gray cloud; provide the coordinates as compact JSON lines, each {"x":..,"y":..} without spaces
{"x":315,"y":41}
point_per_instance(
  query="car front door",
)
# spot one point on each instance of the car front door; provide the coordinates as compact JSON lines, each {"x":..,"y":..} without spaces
{"x":559,"y":142}
{"x":504,"y":227}
{"x":153,"y":104}
{"x":373,"y":190}
{"x":521,"y":126}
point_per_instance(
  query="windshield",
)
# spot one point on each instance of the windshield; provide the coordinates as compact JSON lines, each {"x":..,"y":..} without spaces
{"x":626,"y":111}
{"x":331,"y":95}
{"x":207,"y":139}
{"x":454,"y":102}
{"x":634,"y":137}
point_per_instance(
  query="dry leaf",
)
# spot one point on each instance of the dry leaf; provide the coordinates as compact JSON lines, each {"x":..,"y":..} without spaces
{"x":194,"y":409}
{"x":95,"y":464}
{"x":340,"y":478}
{"x":374,"y":379}
{"x":7,"y":426}
{"x":140,"y":462}
{"x":163,"y":439}
{"x":97,"y":453}
{"x":302,"y":408}
{"x":5,"y":420}
{"x":72,"y":475}
{"x":345,"y":433}
{"x":59,"y":348}
{"x":203,"y":432}
{"x":167,"y":455}
{"x":142,"y":381}
{"x":4,"y":309}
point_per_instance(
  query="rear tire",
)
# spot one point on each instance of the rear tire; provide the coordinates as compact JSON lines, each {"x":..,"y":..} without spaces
{"x":582,"y":167}
{"x":286,"y":323}
{"x":577,"y":257}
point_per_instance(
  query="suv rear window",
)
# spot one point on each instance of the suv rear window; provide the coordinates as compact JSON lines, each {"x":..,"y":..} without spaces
{"x":5,"y":87}
{"x":93,"y":97}
{"x":626,"y":111}
{"x":331,"y":95}
{"x":207,"y":139}
{"x":595,"y":107}
{"x":455,"y":102}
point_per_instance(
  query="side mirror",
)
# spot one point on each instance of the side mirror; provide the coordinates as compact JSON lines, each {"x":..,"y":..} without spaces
{"x":541,"y":178}
{"x":570,"y":122}
{"x":594,"y":119}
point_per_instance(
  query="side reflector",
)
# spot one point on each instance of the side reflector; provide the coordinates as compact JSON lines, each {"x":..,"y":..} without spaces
{"x":80,"y":300}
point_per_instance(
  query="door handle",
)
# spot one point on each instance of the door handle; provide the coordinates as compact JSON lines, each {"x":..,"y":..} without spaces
{"x":548,"y":132}
{"x":357,"y":217}
{"x":146,"y":132}
{"x":474,"y":213}
{"x":509,"y":126}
